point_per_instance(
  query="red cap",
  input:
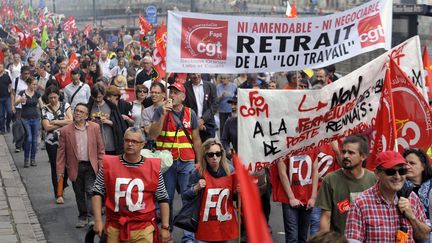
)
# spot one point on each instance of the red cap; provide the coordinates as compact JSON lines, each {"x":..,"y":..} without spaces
{"x":389,"y":159}
{"x":177,"y":86}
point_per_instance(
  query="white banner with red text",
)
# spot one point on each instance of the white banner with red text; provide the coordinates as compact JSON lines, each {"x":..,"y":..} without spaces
{"x":273,"y":123}
{"x":239,"y":44}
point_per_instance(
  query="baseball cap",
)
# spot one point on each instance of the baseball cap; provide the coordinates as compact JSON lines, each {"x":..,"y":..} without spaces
{"x":389,"y":159}
{"x":177,"y":86}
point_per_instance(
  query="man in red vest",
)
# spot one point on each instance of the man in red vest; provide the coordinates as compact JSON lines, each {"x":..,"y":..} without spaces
{"x":175,"y":128}
{"x":131,"y":184}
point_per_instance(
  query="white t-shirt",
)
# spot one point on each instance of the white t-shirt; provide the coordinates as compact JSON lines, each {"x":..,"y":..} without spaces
{"x":22,"y":85}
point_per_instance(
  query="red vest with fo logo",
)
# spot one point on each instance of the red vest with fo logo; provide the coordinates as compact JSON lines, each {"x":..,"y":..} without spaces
{"x":130,"y":192}
{"x":218,"y":221}
{"x":175,"y":139}
{"x":299,"y":171}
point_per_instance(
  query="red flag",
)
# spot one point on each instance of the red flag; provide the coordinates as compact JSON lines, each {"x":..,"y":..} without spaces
{"x":69,"y":25}
{"x":256,"y":226}
{"x":144,"y":25}
{"x":2,"y":56}
{"x":428,"y":68}
{"x":87,"y":29}
{"x":413,"y":115}
{"x":291,"y":11}
{"x":159,"y":53}
{"x":385,"y":136}
{"x":29,"y":41}
{"x":143,"y":42}
{"x":72,"y":64}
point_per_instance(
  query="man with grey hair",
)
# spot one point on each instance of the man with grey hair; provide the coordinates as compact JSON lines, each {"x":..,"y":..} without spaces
{"x":134,"y":219}
{"x":104,"y":64}
{"x":147,"y":72}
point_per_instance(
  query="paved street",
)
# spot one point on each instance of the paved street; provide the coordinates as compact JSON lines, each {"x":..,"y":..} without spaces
{"x":58,"y":221}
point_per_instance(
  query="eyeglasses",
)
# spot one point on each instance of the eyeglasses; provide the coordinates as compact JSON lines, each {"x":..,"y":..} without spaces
{"x":132,"y":141}
{"x":212,"y":154}
{"x":156,"y":93}
{"x":391,"y":172}
{"x":141,"y":91}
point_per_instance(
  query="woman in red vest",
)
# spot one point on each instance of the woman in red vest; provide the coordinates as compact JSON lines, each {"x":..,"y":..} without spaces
{"x":214,"y":182}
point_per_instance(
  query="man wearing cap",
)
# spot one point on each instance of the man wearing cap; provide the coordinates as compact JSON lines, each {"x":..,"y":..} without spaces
{"x":175,"y":128}
{"x":77,"y":91}
{"x":341,"y":187}
{"x":132,"y":70}
{"x":380,"y":214}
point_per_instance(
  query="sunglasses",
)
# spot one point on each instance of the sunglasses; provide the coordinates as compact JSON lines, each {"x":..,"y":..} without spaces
{"x":391,"y":172}
{"x":141,"y":91}
{"x":212,"y":154}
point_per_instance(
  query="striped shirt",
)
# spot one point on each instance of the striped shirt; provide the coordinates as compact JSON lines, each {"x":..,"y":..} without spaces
{"x":161,"y":194}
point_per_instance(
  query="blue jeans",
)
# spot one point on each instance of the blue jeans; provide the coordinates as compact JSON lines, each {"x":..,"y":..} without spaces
{"x":30,"y":145}
{"x":296,"y":223}
{"x":5,"y":110}
{"x":314,"y":221}
{"x":178,"y":176}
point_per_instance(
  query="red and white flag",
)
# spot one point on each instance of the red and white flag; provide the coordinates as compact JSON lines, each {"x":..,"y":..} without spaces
{"x":291,"y":11}
{"x":87,"y":29}
{"x":159,"y":53}
{"x":69,"y":25}
{"x":145,"y":26}
{"x":412,"y":118}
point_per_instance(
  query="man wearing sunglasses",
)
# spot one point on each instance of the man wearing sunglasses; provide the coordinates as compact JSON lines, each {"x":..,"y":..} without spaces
{"x":379,"y":214}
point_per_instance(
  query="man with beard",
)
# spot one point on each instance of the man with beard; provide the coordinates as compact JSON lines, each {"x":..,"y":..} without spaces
{"x":340,"y":188}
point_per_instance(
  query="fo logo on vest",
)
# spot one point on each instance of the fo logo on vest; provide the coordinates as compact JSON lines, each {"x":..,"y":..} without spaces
{"x":132,"y":207}
{"x":222,"y":198}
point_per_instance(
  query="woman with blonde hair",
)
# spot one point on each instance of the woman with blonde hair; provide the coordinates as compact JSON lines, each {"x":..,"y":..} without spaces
{"x":214,"y":183}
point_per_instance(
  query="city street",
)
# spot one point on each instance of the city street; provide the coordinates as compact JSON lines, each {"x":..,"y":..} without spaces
{"x":58,"y":221}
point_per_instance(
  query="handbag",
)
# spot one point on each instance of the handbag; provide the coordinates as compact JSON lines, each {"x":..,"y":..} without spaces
{"x":188,"y":217}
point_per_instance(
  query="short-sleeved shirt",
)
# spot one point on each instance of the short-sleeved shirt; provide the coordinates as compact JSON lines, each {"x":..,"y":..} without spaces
{"x":338,"y":191}
{"x":107,"y":130}
{"x":30,"y":109}
{"x":21,"y":86}
{"x":372,"y":219}
{"x":50,"y":115}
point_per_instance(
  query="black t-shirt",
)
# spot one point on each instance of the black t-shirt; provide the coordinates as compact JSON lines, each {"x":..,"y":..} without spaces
{"x":142,"y":76}
{"x":5,"y":81}
{"x":30,"y":109}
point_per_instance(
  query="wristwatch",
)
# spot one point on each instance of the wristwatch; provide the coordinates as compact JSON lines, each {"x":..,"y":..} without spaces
{"x":165,"y":227}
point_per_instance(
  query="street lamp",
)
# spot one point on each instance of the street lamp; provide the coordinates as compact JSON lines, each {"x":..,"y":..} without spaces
{"x":94,"y":12}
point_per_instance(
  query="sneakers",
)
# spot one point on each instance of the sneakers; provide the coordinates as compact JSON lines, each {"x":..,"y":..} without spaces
{"x":60,"y":200}
{"x":33,"y":162}
{"x":17,"y":150}
{"x":26,"y":163}
{"x":81,"y":223}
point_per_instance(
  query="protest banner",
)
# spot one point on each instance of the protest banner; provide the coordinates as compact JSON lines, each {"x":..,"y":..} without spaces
{"x":241,"y":44}
{"x":280,"y":122}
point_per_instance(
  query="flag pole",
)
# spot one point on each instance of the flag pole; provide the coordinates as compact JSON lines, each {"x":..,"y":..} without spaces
{"x":392,"y":113}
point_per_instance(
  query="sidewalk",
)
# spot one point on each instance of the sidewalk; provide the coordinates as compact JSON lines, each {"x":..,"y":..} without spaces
{"x":18,"y":221}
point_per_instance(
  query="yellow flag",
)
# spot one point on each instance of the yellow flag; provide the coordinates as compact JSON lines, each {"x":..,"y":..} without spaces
{"x":44,"y":38}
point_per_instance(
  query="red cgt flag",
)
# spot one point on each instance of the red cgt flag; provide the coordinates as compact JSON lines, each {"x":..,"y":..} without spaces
{"x":428,"y":68}
{"x":385,"y":126}
{"x":256,"y":226}
{"x":159,"y":54}
{"x":144,"y":25}
{"x":413,"y":116}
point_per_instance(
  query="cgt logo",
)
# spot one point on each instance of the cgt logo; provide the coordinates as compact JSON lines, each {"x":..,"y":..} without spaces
{"x":371,"y":31}
{"x":204,"y":39}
